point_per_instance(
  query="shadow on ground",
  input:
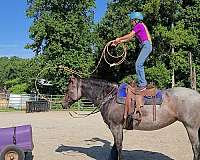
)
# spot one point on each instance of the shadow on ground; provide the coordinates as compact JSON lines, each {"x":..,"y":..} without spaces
{"x":102,"y":152}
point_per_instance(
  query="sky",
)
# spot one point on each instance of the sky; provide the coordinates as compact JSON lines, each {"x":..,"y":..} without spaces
{"x":14,"y":27}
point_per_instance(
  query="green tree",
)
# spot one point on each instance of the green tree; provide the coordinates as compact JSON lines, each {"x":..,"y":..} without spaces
{"x":18,"y":75}
{"x":62,"y":33}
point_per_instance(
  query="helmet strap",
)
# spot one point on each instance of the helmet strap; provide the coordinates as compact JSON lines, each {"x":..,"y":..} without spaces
{"x":137,"y":20}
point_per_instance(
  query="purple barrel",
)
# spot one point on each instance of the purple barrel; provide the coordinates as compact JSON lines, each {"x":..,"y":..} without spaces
{"x":20,"y":136}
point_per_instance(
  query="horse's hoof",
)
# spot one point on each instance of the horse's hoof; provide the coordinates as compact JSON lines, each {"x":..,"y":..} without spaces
{"x":129,"y":123}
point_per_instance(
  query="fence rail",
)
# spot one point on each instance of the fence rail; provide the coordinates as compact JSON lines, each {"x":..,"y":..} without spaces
{"x":22,"y":101}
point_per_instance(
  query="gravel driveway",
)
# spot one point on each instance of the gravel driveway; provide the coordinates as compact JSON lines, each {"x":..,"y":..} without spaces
{"x":57,"y":136}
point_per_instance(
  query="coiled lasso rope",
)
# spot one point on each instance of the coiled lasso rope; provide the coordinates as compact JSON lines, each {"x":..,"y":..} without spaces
{"x":103,"y":55}
{"x":122,"y":56}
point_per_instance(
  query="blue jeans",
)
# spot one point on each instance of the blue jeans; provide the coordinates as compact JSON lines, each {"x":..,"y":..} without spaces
{"x":146,"y":48}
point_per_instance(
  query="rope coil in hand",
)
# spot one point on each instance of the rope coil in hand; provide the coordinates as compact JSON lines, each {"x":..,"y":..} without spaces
{"x":122,"y":56}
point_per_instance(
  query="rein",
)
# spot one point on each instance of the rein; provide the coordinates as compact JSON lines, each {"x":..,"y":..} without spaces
{"x":82,"y":115}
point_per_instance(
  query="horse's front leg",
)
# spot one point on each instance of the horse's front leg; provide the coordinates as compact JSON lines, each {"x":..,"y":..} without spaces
{"x":117,"y":132}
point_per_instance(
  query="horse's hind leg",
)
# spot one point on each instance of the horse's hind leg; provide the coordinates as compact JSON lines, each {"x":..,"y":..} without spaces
{"x":194,"y":136}
{"x":117,"y":132}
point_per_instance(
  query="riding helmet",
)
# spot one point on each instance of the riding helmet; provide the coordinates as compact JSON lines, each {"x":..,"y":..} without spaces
{"x":136,"y":16}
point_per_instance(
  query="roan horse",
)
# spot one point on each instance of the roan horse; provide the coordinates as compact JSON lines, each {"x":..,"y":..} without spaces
{"x":179,"y":103}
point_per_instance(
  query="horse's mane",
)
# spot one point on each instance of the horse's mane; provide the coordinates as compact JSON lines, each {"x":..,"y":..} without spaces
{"x":99,"y":82}
{"x":97,"y":88}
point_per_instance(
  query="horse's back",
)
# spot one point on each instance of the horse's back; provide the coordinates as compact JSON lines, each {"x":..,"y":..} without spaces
{"x":183,"y":92}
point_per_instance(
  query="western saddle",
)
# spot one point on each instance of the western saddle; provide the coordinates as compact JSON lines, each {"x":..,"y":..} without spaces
{"x":135,"y":98}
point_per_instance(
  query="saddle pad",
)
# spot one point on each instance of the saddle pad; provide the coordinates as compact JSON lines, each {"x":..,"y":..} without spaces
{"x":148,"y":100}
{"x":121,"y":94}
{"x":122,"y":90}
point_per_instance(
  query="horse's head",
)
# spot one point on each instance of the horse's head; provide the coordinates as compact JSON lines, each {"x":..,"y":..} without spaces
{"x":73,"y":92}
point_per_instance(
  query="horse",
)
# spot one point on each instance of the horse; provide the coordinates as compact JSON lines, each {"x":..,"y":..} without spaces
{"x":179,"y":104}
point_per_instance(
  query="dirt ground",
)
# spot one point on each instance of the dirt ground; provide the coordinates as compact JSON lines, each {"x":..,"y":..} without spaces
{"x":57,"y":136}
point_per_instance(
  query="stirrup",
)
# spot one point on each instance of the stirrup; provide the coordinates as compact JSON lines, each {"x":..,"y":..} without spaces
{"x":138,"y":112}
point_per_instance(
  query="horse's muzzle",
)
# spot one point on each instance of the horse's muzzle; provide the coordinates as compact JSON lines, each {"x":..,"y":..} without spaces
{"x":64,"y":105}
{"x":66,"y":102}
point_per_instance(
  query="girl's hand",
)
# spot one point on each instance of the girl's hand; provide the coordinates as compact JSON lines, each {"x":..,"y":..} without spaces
{"x":116,"y":42}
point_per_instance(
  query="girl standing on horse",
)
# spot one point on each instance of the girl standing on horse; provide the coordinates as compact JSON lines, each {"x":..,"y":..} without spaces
{"x":141,"y":32}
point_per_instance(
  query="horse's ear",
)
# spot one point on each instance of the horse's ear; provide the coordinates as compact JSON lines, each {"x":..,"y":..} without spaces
{"x":72,"y":78}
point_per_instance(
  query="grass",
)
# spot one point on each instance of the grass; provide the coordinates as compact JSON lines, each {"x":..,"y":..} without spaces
{"x":55,"y":107}
{"x":9,"y":110}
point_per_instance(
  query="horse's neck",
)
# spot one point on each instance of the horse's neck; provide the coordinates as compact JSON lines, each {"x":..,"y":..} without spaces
{"x":94,"y":91}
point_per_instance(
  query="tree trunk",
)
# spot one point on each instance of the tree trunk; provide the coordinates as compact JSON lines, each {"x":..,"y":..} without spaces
{"x":173,"y":76}
{"x":190,"y":63}
{"x":192,"y":73}
{"x":194,"y":79}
